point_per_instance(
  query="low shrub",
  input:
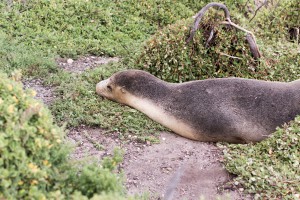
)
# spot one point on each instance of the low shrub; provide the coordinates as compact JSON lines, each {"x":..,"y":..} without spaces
{"x":167,"y":56}
{"x":269,"y":169}
{"x":277,"y":18}
{"x":33,"y":158}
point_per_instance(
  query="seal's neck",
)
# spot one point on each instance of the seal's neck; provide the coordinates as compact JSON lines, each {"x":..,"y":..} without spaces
{"x":156,"y":113}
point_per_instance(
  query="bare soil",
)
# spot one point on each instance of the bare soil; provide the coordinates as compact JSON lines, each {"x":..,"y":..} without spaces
{"x":176,"y":168}
{"x":83,"y":63}
{"x":44,"y":93}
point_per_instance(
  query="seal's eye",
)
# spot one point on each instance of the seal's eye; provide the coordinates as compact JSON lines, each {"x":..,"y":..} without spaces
{"x":109,"y":88}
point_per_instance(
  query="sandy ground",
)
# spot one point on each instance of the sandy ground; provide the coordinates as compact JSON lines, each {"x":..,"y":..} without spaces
{"x":176,"y":168}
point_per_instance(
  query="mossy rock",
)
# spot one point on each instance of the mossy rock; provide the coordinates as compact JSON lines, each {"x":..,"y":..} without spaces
{"x":167,"y":56}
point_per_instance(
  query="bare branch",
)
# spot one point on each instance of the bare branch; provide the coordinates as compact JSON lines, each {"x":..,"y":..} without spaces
{"x":253,"y":46}
{"x":211,"y":35}
{"x":250,"y":39}
{"x":264,"y":3}
{"x":202,"y":12}
{"x":171,"y":188}
{"x":235,"y":26}
{"x":249,"y":36}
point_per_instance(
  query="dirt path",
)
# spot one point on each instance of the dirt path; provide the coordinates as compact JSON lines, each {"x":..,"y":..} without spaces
{"x":176,"y":168}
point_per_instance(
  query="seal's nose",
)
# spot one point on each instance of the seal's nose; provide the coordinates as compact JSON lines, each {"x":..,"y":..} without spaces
{"x":98,"y":88}
{"x":101,"y":86}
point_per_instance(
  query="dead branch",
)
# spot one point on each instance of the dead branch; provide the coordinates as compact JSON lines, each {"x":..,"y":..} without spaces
{"x":211,"y":35}
{"x":264,"y":3}
{"x":250,"y":39}
{"x":249,"y":36}
{"x":253,"y":46}
{"x":171,"y":188}
{"x":200,"y":15}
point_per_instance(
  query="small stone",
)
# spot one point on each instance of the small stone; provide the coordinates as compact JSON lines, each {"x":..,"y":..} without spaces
{"x":70,"y":61}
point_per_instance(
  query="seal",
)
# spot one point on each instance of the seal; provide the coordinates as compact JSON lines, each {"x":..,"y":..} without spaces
{"x":234,"y":110}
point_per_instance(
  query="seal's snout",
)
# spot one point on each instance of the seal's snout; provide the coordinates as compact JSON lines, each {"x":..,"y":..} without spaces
{"x":101,"y":87}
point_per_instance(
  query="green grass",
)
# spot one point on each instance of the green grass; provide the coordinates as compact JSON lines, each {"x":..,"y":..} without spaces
{"x":271,"y":168}
{"x":33,"y":62}
{"x":79,"y":104}
{"x":77,"y":27}
{"x":34,"y":33}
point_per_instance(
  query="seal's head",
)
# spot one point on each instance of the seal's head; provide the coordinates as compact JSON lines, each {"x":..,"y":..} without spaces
{"x":122,"y":85}
{"x":110,"y":90}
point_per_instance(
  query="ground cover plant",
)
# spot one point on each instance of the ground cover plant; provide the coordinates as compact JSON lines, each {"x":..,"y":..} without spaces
{"x":76,"y":27}
{"x":79,"y":105}
{"x":33,"y":158}
{"x":271,"y":168}
{"x":149,"y":35}
{"x":168,"y":55}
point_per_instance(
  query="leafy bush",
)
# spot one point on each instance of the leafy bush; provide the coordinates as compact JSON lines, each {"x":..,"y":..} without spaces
{"x":33,"y":159}
{"x":167,"y":56}
{"x":269,"y":169}
{"x":30,"y":143}
{"x":277,"y":18}
{"x":285,"y":66}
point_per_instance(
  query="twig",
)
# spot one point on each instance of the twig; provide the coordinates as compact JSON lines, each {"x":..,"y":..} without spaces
{"x":253,"y":46}
{"x":224,"y":54}
{"x":211,"y":35}
{"x":264,"y":3}
{"x":235,"y":26}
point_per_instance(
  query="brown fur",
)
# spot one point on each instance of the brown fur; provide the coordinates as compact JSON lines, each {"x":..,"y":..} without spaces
{"x":229,"y":109}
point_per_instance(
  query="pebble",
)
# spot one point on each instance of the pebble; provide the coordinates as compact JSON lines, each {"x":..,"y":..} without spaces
{"x":70,"y":61}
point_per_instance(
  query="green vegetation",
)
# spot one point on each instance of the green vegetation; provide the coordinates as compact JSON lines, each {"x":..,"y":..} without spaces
{"x":271,"y":168}
{"x":147,"y":34}
{"x":80,"y":105}
{"x":78,"y":27}
{"x":34,"y":161}
{"x":15,"y":55}
{"x":168,"y":56}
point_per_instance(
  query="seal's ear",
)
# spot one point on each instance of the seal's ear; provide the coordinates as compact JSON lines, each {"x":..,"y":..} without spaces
{"x":123,"y":90}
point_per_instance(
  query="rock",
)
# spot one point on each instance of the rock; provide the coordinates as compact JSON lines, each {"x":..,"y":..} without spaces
{"x":70,"y":61}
